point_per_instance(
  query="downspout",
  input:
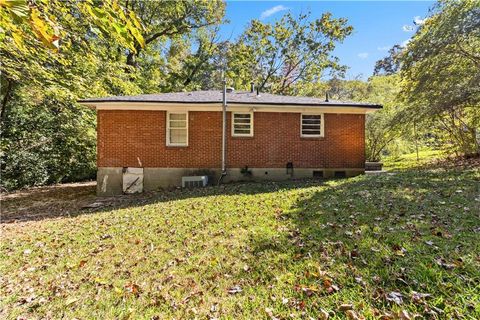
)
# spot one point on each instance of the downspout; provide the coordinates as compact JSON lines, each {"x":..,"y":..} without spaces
{"x":224,"y":131}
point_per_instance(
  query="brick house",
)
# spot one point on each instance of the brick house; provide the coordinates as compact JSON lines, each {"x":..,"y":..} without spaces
{"x":266,"y":137}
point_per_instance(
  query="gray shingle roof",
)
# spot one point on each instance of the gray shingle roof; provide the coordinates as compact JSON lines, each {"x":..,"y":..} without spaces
{"x":239,"y":97}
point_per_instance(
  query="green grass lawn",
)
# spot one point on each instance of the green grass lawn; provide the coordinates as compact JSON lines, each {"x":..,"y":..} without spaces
{"x":407,"y":242}
{"x":409,"y":161}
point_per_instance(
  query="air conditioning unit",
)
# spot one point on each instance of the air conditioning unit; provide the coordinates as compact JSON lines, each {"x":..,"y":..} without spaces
{"x":194,"y":181}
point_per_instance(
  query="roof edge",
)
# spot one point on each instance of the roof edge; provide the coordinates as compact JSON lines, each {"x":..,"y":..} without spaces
{"x":331,"y":104}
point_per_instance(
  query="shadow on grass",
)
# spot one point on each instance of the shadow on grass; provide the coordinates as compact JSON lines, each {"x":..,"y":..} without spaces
{"x":71,"y":200}
{"x":363,"y":238}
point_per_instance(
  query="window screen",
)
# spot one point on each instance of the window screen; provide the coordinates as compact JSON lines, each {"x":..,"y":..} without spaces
{"x":242,"y":124}
{"x":312,"y":125}
{"x":177,"y":129}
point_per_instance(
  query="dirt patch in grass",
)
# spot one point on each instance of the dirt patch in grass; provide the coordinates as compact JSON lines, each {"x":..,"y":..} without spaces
{"x":46,"y":202}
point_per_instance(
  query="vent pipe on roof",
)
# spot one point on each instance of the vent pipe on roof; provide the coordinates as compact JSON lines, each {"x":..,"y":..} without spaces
{"x":326,"y":96}
{"x":252,"y":87}
{"x":258,"y":91}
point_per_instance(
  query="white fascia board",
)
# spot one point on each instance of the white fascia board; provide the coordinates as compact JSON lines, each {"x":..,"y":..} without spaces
{"x":153,"y":106}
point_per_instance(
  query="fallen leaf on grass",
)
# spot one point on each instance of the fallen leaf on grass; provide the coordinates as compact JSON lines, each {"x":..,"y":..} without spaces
{"x":403,"y":315}
{"x":345,"y":307}
{"x":441,"y":233}
{"x":418,"y":297}
{"x":387,"y":316}
{"x":352,"y":315}
{"x":443,"y":263}
{"x":396,"y":297}
{"x":81,"y":263}
{"x":309,"y":291}
{"x":235,"y":289}
{"x":269,"y":312}
{"x":360,"y":281}
{"x":101,"y":281}
{"x":323,"y":315}
{"x":354,"y":254}
{"x":331,"y":288}
{"x":301,"y":305}
{"x":398,"y":250}
{"x":132,"y":288}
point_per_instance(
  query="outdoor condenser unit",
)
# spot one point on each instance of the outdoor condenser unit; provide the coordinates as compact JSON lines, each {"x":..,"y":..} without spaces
{"x":194,"y":181}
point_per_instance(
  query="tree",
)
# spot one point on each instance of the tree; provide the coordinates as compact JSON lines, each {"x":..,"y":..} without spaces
{"x":293,"y":49}
{"x":381,"y":129}
{"x":54,"y":52}
{"x":193,"y":69}
{"x":441,"y":72}
{"x":390,"y":64}
{"x":167,"y":19}
{"x":37,"y":38}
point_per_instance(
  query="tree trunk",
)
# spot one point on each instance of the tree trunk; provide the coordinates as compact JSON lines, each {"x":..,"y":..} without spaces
{"x":416,"y":139}
{"x":132,"y":59}
{"x":6,"y":97}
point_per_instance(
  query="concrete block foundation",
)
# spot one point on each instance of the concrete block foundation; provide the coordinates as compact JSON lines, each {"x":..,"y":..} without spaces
{"x":110,"y":179}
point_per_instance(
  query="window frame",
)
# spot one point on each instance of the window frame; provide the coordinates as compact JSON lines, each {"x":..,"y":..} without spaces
{"x":233,"y":124}
{"x":322,"y":125}
{"x":168,"y":143}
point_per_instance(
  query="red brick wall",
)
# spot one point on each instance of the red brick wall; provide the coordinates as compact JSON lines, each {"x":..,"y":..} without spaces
{"x":125,"y":135}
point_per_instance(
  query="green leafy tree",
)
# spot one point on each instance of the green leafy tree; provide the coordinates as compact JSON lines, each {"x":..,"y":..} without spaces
{"x":39,"y":37}
{"x":163,"y":20}
{"x":54,"y":52}
{"x":390,"y":64}
{"x":293,"y":49}
{"x":196,"y":69}
{"x":441,"y":75}
{"x":50,"y":139}
{"x":382,"y":132}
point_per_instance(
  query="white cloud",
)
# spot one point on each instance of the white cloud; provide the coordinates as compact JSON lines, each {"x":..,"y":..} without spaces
{"x":385,"y":48}
{"x":418,"y":21}
{"x":269,"y":12}
{"x":363,"y":55}
{"x":408,"y":28}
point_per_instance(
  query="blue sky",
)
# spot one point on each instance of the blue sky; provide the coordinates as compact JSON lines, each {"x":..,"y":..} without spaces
{"x":378,"y":25}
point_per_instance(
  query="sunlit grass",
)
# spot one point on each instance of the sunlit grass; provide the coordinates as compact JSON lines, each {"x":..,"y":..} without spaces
{"x":410,"y":160}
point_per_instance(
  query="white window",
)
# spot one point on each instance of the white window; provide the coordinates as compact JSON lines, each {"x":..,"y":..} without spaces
{"x":177,"y":129}
{"x":242,"y":124}
{"x":312,"y":125}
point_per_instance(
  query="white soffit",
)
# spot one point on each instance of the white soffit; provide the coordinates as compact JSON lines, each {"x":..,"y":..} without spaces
{"x":231,"y":107}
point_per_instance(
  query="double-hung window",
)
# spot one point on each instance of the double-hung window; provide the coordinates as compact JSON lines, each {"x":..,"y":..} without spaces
{"x":177,"y":129}
{"x":242,"y":124}
{"x":311,"y":125}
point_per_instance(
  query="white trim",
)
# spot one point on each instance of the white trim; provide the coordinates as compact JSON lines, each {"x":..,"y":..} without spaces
{"x":322,"y":125}
{"x":174,"y":107}
{"x":251,"y":125}
{"x":167,"y":126}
